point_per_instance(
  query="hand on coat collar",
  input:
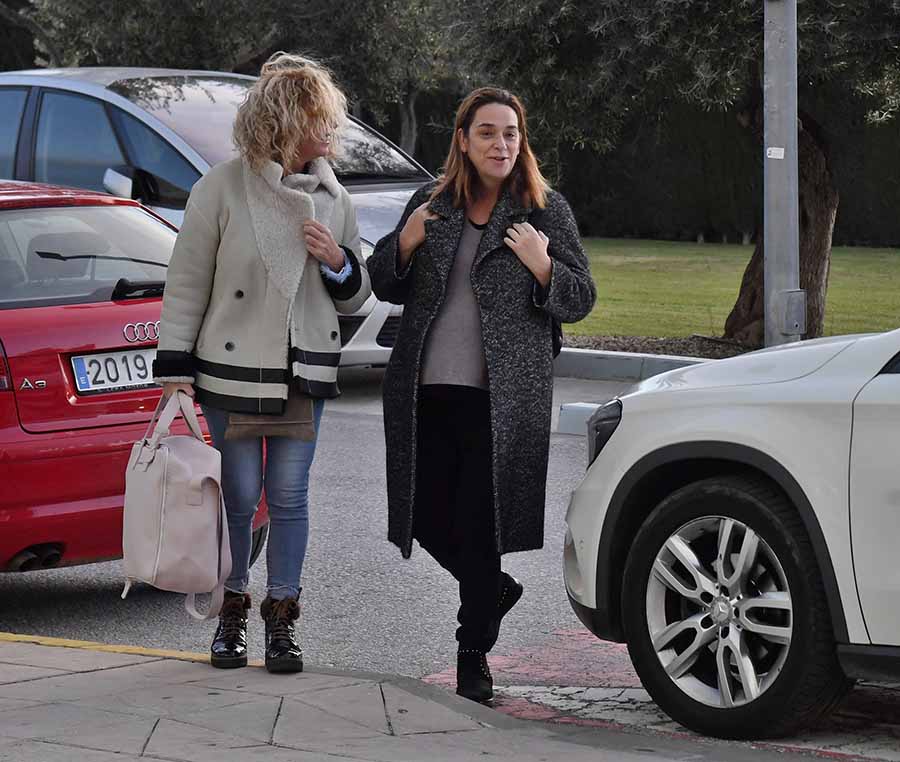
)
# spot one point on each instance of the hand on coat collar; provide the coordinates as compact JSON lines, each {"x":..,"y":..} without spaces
{"x":506,"y":212}
{"x":276,"y":207}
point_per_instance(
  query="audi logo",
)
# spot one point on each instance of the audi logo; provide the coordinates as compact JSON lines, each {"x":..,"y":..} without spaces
{"x":141,"y":332}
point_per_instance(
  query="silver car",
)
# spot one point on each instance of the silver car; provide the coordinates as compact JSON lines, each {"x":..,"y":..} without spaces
{"x":150,"y":134}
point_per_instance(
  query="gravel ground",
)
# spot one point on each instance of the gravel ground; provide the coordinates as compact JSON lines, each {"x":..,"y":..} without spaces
{"x":688,"y":346}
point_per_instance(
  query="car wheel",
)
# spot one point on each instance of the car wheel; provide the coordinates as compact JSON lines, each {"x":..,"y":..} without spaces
{"x":725,"y":613}
{"x":259,"y":542}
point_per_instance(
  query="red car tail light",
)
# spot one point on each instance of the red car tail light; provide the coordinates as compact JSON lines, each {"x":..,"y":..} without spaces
{"x":9,"y":417}
{"x":5,"y":376}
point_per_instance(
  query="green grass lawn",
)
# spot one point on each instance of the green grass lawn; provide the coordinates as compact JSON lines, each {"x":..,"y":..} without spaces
{"x":662,"y":288}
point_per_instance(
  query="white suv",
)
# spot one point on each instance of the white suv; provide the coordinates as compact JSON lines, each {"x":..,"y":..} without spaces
{"x":739,"y":527}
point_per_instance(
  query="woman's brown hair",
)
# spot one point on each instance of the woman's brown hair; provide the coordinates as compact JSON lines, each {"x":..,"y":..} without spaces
{"x":526,"y":183}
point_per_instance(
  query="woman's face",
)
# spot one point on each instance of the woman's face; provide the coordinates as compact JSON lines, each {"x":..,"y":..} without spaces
{"x":311,"y":148}
{"x":492,"y":142}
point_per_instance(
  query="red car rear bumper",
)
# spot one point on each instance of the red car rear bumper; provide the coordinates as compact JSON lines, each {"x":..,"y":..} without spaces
{"x":67,"y":489}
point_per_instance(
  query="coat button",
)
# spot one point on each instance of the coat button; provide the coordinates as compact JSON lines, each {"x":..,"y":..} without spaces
{"x":239,"y":294}
{"x":334,"y":335}
{"x":229,"y":345}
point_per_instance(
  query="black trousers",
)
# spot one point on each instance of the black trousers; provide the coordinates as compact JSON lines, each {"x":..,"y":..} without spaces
{"x":454,"y":503}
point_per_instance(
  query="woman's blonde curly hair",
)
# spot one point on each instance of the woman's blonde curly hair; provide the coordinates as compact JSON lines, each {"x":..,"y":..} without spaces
{"x":294,"y":100}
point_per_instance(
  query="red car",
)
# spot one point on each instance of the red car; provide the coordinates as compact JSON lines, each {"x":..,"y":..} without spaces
{"x":81,"y":280}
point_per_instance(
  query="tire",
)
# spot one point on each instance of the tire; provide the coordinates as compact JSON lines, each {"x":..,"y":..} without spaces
{"x":259,"y":542}
{"x":714,"y":626}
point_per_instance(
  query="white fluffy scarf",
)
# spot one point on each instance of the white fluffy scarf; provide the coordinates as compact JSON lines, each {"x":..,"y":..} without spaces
{"x":278,"y":207}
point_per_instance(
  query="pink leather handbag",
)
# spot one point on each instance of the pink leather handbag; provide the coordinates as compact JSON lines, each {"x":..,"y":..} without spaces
{"x":175,"y":533}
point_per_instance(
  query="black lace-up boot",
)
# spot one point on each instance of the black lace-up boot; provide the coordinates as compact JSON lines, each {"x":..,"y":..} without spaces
{"x":283,"y":652}
{"x":229,"y":646}
{"x":473,"y":676}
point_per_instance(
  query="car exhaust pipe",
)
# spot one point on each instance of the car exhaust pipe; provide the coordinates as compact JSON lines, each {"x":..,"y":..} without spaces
{"x":36,"y":557}
{"x":24,"y":561}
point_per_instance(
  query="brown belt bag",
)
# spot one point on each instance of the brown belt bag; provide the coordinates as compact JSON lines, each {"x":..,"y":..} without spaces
{"x":296,"y":422}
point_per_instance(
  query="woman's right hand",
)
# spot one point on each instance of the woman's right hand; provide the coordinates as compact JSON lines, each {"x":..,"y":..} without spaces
{"x":413,"y":234}
{"x":172,"y":388}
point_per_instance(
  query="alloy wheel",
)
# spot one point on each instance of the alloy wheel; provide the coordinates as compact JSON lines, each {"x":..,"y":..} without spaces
{"x":719,"y":611}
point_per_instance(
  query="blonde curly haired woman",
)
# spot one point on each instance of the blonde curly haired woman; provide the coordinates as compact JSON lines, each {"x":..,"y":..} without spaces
{"x":267,"y":257}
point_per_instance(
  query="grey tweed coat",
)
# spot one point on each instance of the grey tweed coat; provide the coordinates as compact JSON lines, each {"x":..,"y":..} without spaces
{"x":516,"y":332}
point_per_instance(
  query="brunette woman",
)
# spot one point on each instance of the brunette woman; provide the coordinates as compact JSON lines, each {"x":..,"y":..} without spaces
{"x":485,"y":260}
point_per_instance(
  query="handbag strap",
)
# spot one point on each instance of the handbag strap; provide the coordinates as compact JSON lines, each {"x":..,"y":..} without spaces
{"x":178,"y":402}
{"x":218,"y":593}
{"x":190,"y":415}
{"x":163,"y":400}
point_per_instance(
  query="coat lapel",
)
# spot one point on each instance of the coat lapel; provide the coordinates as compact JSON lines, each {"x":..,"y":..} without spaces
{"x":278,"y":209}
{"x":446,"y":230}
{"x":505,"y":213}
{"x":449,"y":226}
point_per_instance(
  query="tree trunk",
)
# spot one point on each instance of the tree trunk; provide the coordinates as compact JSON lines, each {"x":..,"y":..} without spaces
{"x":409,"y":124}
{"x":818,"y":209}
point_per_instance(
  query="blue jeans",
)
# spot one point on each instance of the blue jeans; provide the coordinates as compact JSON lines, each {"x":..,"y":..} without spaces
{"x":285,"y":475}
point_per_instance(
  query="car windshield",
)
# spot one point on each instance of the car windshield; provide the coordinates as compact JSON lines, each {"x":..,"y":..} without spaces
{"x":201,"y":109}
{"x":77,"y":254}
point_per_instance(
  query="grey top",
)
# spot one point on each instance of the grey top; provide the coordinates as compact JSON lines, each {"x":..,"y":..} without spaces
{"x":453,"y":352}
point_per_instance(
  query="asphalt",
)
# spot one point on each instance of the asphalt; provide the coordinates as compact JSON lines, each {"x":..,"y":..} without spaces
{"x":81,"y":701}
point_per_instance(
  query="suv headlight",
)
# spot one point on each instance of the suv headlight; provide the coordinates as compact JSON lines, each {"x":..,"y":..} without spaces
{"x":601,"y":426}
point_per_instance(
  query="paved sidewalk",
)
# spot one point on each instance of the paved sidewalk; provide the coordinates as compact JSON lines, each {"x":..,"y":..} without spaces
{"x":82,"y":702}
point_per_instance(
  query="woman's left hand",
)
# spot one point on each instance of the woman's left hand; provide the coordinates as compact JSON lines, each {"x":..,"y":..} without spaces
{"x":321,"y":244}
{"x":530,"y":246}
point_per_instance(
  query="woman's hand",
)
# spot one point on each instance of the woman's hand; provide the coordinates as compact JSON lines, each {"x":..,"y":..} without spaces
{"x":321,"y":244}
{"x":530,"y":246}
{"x":413,"y":234}
{"x":170,"y":388}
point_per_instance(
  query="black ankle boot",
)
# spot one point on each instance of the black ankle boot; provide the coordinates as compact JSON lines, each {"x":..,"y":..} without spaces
{"x":510,"y":592}
{"x":283,"y":652}
{"x":473,"y":676}
{"x":229,"y":646}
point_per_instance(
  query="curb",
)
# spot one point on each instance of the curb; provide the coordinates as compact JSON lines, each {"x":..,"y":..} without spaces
{"x":90,"y":645}
{"x":574,"y":416}
{"x":600,"y":365}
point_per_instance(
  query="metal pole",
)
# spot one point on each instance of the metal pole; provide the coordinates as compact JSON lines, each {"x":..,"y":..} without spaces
{"x":785,"y":303}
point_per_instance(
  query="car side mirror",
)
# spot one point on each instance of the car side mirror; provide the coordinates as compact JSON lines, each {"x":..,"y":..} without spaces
{"x":144,"y":186}
{"x":118,"y":184}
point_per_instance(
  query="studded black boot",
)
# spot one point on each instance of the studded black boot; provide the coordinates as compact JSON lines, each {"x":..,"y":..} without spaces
{"x":229,"y":646}
{"x":473,"y":676}
{"x":283,"y":652}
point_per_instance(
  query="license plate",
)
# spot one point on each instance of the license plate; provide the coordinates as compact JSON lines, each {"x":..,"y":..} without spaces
{"x":113,"y":371}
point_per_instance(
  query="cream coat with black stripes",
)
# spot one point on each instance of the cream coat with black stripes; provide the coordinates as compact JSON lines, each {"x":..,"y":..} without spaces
{"x":246,"y":309}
